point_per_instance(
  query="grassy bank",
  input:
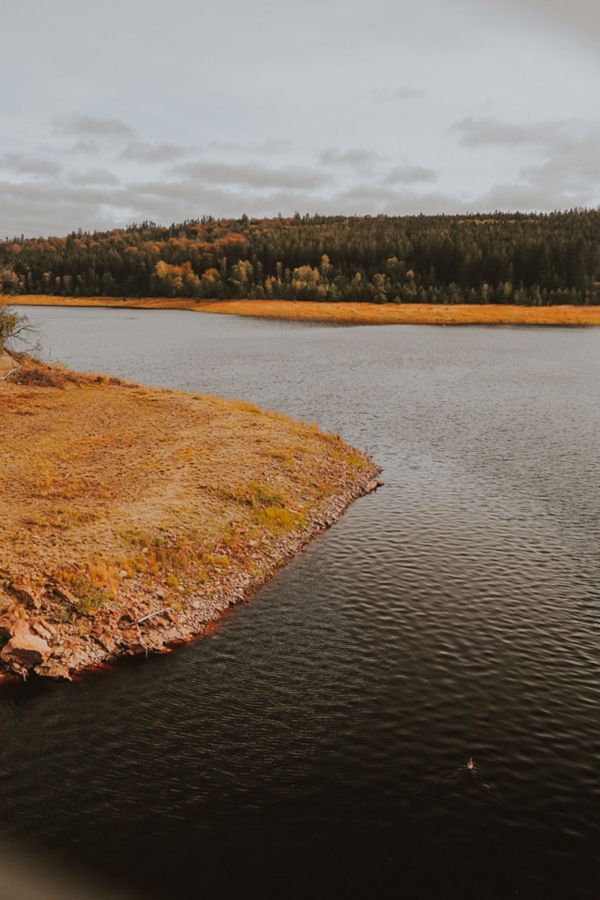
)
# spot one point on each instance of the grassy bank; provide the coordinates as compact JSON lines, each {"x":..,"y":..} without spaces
{"x":346,"y":313}
{"x":131,"y":517}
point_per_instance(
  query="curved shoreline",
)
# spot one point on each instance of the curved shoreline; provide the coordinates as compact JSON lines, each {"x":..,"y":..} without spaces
{"x":343,"y":313}
{"x":96,"y":563}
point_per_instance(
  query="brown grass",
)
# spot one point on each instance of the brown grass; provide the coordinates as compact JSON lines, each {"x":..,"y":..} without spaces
{"x":348,"y":313}
{"x":115,"y":491}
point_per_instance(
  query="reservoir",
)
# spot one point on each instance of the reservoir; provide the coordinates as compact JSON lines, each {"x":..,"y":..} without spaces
{"x":315,"y":743}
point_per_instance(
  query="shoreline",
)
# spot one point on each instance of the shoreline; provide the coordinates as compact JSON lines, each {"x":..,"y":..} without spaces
{"x":77,"y":592}
{"x":343,"y":313}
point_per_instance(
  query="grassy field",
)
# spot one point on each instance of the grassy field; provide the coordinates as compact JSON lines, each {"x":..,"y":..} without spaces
{"x":346,"y":313}
{"x":130,"y":516}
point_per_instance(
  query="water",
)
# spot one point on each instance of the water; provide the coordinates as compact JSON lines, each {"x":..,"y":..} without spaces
{"x":315,"y":745}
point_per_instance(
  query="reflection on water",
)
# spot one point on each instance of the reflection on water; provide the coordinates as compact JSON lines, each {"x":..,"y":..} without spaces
{"x":317,"y":743}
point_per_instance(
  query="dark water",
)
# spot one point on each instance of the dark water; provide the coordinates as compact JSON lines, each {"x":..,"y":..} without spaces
{"x":315,"y":745}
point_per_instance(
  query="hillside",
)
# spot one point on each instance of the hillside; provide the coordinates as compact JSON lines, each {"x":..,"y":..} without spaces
{"x":520,"y":259}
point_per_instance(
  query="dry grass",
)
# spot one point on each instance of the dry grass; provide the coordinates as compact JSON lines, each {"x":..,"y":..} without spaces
{"x":349,"y":313}
{"x":106,"y":484}
{"x":408,"y":313}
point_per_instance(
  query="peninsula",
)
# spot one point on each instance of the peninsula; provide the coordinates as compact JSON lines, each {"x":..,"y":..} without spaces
{"x":132,"y":517}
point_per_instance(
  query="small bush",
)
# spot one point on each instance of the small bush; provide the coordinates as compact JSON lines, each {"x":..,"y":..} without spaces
{"x":278,"y":521}
{"x":13,"y":327}
{"x":261,"y":495}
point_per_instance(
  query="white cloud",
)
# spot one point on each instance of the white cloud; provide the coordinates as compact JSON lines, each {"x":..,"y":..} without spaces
{"x":410,"y":175}
{"x":355,"y":158}
{"x":93,"y":127}
{"x":403,"y":92}
{"x":581,"y":15}
{"x":28,"y":165}
{"x":149,"y":152}
{"x":481,"y":132}
{"x":94,"y":176}
{"x":565,"y":171}
{"x":252,"y":175}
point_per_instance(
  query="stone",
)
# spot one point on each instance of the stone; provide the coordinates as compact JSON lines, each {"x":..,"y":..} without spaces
{"x":6,"y":629}
{"x":25,"y":594}
{"x":41,"y":631}
{"x":132,"y":641}
{"x":25,"y":649}
{"x":54,"y":669}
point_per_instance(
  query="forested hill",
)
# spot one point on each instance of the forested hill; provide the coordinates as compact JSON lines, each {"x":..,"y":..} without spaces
{"x":498,"y":258}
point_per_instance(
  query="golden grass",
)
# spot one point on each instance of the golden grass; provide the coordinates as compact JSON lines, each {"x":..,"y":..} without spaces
{"x":408,"y":313}
{"x":347,"y":313}
{"x":106,"y":483}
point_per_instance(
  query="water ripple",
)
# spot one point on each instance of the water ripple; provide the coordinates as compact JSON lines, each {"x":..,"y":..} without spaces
{"x":316,"y":743}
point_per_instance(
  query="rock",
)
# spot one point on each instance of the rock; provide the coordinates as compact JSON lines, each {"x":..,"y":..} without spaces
{"x":107,"y":643}
{"x":65,"y":595}
{"x":48,"y":626}
{"x":25,"y":594}
{"x":6,"y":629}
{"x":54,"y":669}
{"x":25,"y":649}
{"x":133,"y":642}
{"x":41,"y":631}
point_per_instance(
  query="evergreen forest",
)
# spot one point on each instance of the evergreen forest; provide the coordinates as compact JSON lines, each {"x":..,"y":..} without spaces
{"x":520,"y":258}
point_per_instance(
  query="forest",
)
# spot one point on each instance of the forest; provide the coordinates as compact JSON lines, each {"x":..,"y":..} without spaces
{"x":519,"y":258}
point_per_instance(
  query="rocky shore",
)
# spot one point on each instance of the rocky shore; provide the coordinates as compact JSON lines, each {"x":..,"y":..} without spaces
{"x":135,"y":517}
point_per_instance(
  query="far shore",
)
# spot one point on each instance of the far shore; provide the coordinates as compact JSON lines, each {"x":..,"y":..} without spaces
{"x":342,"y":313}
{"x":131,"y":518}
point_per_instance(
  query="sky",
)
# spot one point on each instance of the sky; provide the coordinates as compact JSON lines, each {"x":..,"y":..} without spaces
{"x":129,"y":110}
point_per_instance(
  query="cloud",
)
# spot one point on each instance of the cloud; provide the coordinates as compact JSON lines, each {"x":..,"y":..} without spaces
{"x":252,"y":175}
{"x":404,"y":92}
{"x":481,"y":132}
{"x":580,"y":15}
{"x":268,"y":145}
{"x":93,"y":127}
{"x":410,"y":175}
{"x":564,"y":173}
{"x":28,"y":165}
{"x":368,"y":199}
{"x":152,"y":153}
{"x":355,"y":158}
{"x":87,"y":147}
{"x":94,"y":176}
{"x":556,"y":165}
{"x":35,"y":208}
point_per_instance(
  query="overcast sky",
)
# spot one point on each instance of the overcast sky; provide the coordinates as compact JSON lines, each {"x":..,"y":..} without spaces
{"x":126,"y":110}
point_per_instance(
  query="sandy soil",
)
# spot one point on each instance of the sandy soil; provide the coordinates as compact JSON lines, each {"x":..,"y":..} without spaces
{"x":130,"y":517}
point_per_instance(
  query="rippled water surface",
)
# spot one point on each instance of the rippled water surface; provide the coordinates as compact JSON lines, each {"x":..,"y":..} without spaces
{"x":315,"y":745}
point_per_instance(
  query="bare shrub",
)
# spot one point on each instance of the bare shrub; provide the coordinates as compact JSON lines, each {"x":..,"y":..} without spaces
{"x":15,"y":329}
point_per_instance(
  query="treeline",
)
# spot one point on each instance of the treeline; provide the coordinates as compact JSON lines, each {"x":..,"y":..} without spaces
{"x":499,"y":258}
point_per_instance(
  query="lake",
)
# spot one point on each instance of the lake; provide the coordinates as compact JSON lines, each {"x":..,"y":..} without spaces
{"x":316,"y":743}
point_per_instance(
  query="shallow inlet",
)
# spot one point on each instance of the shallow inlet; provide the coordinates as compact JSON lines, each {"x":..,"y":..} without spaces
{"x":316,"y":742}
